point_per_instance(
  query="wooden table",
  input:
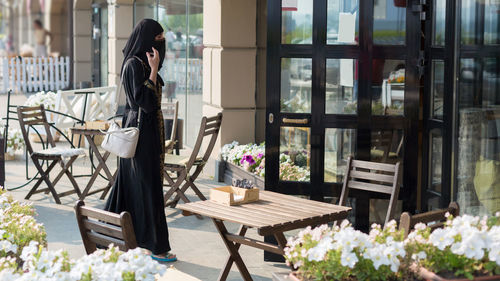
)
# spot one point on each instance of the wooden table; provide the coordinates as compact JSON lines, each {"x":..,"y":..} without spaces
{"x":272,"y":215}
{"x":89,"y":135}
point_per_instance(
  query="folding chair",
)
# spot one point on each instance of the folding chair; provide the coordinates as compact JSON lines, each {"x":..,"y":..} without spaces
{"x":32,"y":116}
{"x":170,"y":112}
{"x":374,"y":177}
{"x":182,"y":165}
{"x":101,"y":228}
{"x":434,"y":219}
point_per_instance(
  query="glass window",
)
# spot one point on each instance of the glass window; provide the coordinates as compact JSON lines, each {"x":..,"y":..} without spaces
{"x":341,"y":86}
{"x":387,"y":146}
{"x":295,"y":154}
{"x":478,"y":167}
{"x":296,"y":83}
{"x":339,"y":145}
{"x":296,"y":21}
{"x":104,"y":46}
{"x":438,"y":22}
{"x":182,"y":69}
{"x":388,"y":87}
{"x":389,"y":22}
{"x":435,"y":161}
{"x":342,"y":22}
{"x":437,"y":89}
{"x":492,"y":22}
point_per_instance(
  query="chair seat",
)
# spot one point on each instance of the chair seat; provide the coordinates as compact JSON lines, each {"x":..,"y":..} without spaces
{"x":63,"y":152}
{"x":380,"y":153}
{"x":179,"y":160}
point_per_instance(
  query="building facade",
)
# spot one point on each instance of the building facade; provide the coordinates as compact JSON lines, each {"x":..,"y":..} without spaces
{"x":387,"y":80}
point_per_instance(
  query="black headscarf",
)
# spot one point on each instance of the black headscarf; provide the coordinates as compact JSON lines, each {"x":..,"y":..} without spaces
{"x":142,"y":40}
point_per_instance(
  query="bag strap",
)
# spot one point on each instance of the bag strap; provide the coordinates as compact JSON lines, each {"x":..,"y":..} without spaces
{"x":121,"y":84}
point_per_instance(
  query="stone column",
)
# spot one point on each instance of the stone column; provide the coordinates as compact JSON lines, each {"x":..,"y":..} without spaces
{"x":82,"y":40}
{"x":120,"y":25}
{"x":229,"y":67}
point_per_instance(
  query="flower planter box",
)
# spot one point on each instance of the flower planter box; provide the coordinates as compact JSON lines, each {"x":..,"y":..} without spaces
{"x":232,"y":171}
{"x":431,"y":276}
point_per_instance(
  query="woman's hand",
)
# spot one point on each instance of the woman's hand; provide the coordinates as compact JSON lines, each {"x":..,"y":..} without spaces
{"x":153,"y":59}
{"x":154,"y":62}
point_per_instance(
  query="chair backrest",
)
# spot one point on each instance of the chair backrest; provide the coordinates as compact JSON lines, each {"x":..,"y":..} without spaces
{"x":170,"y":110}
{"x":209,"y":128}
{"x":32,"y":116}
{"x":434,"y":219}
{"x":99,"y":227}
{"x":373,"y":177}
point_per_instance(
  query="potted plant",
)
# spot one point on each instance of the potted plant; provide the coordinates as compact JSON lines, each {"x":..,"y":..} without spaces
{"x":467,"y":248}
{"x":248,"y":162}
{"x":343,"y":253}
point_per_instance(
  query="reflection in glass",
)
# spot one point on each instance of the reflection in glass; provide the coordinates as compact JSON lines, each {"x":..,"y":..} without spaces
{"x":296,"y":22}
{"x":387,"y":146}
{"x":341,"y":86}
{"x":478,"y":167}
{"x":182,"y":69}
{"x":469,"y":22}
{"x":389,"y":26}
{"x":388,"y":87}
{"x":437,"y":89}
{"x":435,"y":161}
{"x":439,"y":22}
{"x":296,"y":85}
{"x":492,"y":22}
{"x":295,"y":154}
{"x":339,"y":145}
{"x":342,"y":22}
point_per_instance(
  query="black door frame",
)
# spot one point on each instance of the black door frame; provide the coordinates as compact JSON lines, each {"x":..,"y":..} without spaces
{"x":364,"y":122}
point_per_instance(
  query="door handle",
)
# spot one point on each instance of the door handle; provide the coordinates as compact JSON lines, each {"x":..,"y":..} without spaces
{"x":296,"y":121}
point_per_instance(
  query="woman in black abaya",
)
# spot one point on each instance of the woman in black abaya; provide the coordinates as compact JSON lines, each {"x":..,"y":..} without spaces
{"x":138,"y":188}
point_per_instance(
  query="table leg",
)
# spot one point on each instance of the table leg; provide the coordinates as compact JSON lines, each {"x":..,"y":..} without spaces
{"x":233,"y":251}
{"x":229,"y":262}
{"x":102,"y":165}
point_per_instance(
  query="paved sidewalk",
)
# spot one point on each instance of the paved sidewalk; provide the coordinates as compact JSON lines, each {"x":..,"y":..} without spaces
{"x":200,"y":251}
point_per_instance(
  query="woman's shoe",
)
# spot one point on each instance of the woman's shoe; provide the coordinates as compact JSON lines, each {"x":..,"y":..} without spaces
{"x":167,"y":258}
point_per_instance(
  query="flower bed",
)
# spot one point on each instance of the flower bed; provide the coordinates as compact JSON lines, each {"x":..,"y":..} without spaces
{"x":251,"y":159}
{"x":23,"y":253}
{"x":467,"y":248}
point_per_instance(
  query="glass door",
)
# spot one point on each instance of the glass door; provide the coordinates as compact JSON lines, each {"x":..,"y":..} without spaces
{"x":438,"y":104}
{"x":342,"y":80}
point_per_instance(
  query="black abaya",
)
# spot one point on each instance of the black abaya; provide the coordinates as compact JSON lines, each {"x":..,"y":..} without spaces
{"x":138,"y":188}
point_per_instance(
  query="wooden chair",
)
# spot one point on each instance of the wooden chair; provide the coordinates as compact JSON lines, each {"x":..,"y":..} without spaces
{"x":374,"y":177}
{"x":182,"y":165}
{"x":101,"y":228}
{"x":170,"y":112}
{"x":35,"y":116}
{"x":434,"y":219}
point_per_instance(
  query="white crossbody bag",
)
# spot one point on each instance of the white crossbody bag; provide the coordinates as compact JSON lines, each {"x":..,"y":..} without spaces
{"x":122,"y":141}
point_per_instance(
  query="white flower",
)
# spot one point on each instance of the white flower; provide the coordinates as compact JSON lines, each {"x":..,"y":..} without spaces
{"x":441,"y":238}
{"x":348,"y":259}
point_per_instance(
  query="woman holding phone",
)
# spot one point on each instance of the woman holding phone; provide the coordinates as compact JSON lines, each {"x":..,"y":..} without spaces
{"x":138,"y":188}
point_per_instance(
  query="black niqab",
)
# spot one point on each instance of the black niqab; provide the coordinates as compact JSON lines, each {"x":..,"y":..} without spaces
{"x":142,"y":40}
